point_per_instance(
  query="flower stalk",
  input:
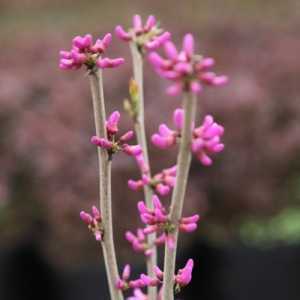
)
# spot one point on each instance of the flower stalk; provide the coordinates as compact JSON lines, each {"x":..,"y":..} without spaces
{"x":137,"y":59}
{"x":96,"y":85}
{"x":183,"y":167}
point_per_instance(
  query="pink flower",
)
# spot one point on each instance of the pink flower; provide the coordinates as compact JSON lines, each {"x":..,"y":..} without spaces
{"x":94,"y":222}
{"x":206,"y":139}
{"x":155,"y":216}
{"x":112,"y":144}
{"x":139,"y":242}
{"x":124,"y":283}
{"x":132,"y":150}
{"x":187,"y":70}
{"x":112,"y":123}
{"x":159,"y":273}
{"x":147,"y":37}
{"x":165,"y":138}
{"x":148,"y":281}
{"x":157,"y":221}
{"x":143,"y":166}
{"x":85,"y":52}
{"x":135,"y":185}
{"x":184,"y":276}
{"x":162,"y":182}
{"x":106,"y":62}
{"x":189,"y":224}
{"x":138,"y":295}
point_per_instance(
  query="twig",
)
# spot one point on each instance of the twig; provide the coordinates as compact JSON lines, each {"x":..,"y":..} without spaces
{"x":141,"y":137}
{"x":183,"y":166}
{"x":104,"y":162}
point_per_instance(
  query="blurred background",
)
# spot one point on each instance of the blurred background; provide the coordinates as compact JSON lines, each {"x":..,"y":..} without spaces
{"x":248,"y":244}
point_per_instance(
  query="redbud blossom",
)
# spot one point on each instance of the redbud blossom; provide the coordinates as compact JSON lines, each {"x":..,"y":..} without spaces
{"x":132,"y":150}
{"x":113,"y":144}
{"x":184,"y":275}
{"x":182,"y":278}
{"x":138,"y":295}
{"x":165,"y":138}
{"x":94,"y":222}
{"x":147,"y":37}
{"x":124,"y":283}
{"x":154,"y":216}
{"x":162,"y":182}
{"x":148,"y":281}
{"x":157,"y":220}
{"x":85,"y":52}
{"x":159,"y":273}
{"x":112,"y":123}
{"x":142,"y":163}
{"x":187,"y":70}
{"x":139,"y":242}
{"x":206,"y":139}
{"x":189,"y":224}
{"x":85,"y":217}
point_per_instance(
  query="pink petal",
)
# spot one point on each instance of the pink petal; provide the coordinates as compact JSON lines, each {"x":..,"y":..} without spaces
{"x":151,"y":22}
{"x":137,"y":23}
{"x":188,"y":44}
{"x":122,"y":34}
{"x":178,"y":118}
{"x":170,"y":50}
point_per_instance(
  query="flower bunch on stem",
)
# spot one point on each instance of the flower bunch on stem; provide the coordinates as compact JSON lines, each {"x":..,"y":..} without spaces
{"x":189,"y":73}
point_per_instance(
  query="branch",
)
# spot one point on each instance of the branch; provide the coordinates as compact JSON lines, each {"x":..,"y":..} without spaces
{"x":141,"y":137}
{"x":104,"y":162}
{"x":183,"y":167}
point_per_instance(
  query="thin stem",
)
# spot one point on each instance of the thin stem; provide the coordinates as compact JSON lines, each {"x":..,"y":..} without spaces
{"x":183,"y":167}
{"x":108,"y":247}
{"x":141,"y":137}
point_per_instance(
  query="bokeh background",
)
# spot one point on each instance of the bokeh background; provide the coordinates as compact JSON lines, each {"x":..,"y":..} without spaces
{"x":249,"y":198}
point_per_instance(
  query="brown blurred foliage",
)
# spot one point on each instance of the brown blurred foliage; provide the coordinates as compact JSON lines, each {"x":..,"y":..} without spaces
{"x":48,"y":167}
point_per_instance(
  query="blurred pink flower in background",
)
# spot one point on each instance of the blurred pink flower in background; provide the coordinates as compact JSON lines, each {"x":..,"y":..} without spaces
{"x":85,"y":52}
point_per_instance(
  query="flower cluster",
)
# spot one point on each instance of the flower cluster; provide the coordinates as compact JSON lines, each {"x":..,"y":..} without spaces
{"x":94,"y":222}
{"x":139,"y":242}
{"x":111,"y":143}
{"x":187,"y":70}
{"x":124,"y":283}
{"x":85,"y":52}
{"x":162,"y":182}
{"x":181,"y":279}
{"x":206,"y":139}
{"x":157,"y":221}
{"x":166,"y":137}
{"x":148,"y":36}
{"x":183,"y":276}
